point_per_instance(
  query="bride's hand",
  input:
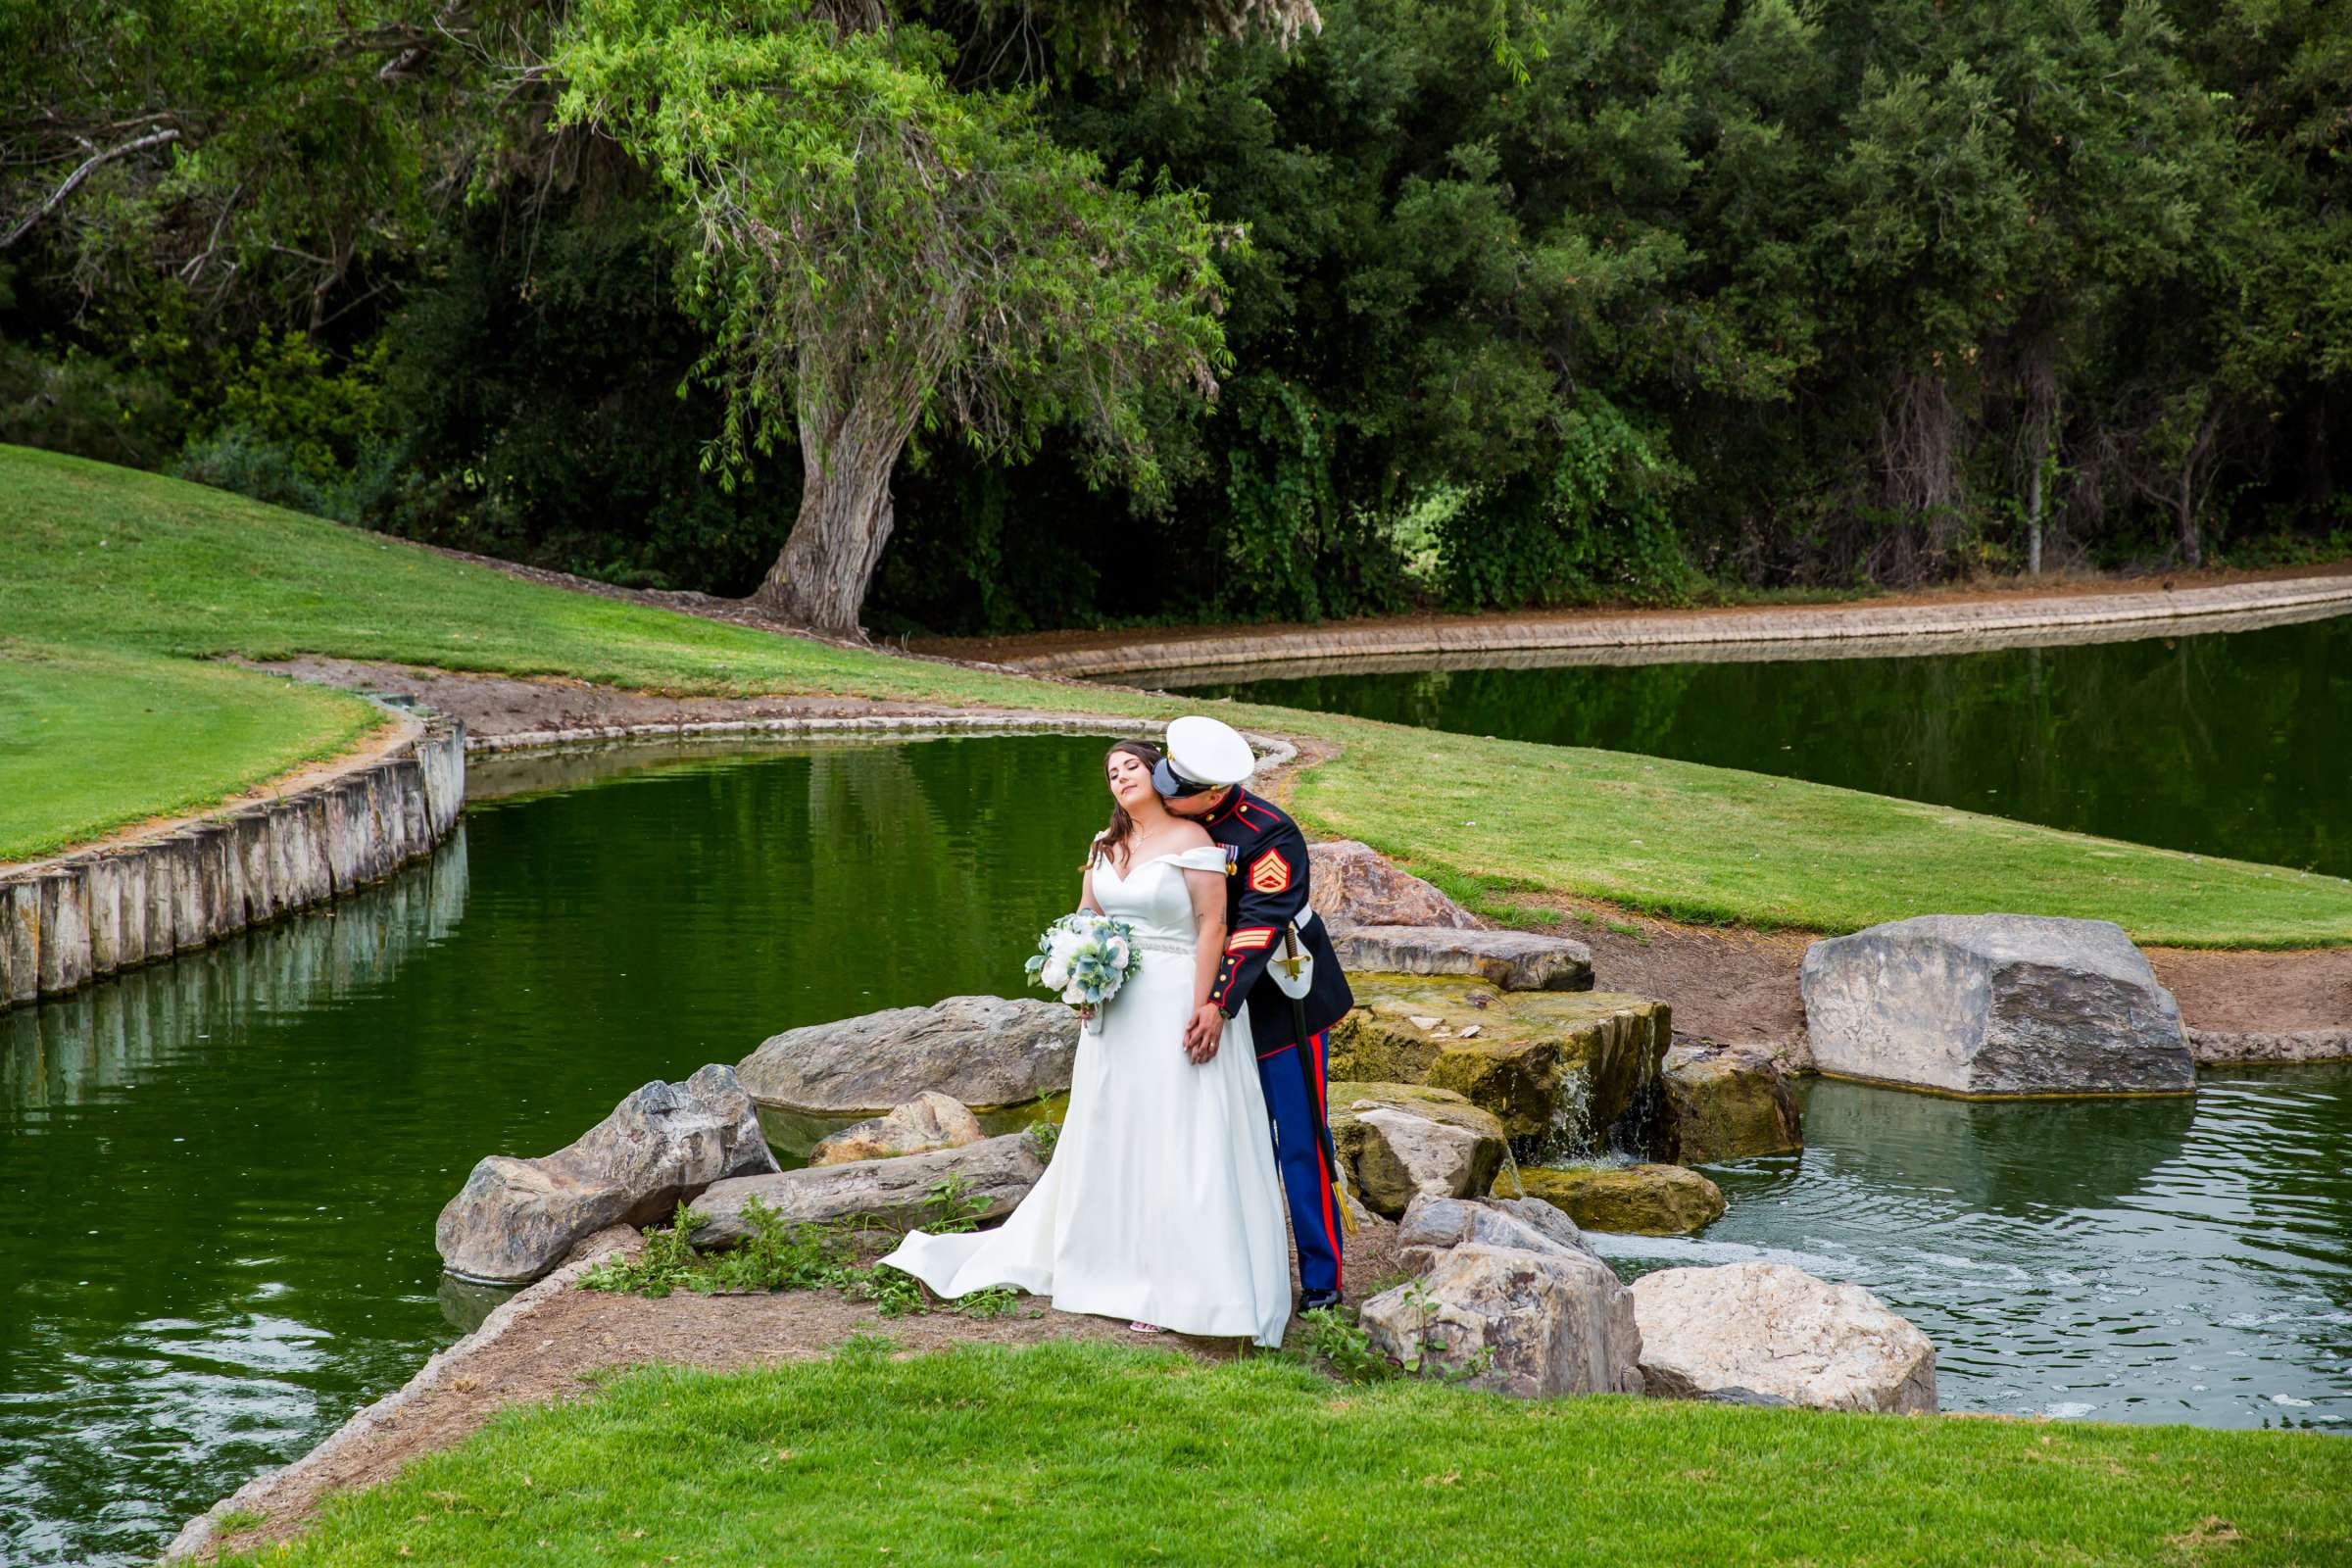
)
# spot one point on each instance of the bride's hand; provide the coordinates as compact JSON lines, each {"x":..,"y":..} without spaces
{"x":1086,"y":1012}
{"x":1203,"y":1033}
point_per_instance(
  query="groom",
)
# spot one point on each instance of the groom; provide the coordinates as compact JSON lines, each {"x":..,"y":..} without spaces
{"x":1267,"y":923}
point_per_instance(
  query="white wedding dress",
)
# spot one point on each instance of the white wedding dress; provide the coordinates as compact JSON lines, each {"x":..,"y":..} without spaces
{"x":1161,"y":1203}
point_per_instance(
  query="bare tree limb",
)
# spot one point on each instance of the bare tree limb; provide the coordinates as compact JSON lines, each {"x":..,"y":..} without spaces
{"x":136,"y":145}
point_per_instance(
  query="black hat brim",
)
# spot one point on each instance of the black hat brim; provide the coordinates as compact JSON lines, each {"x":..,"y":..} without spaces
{"x":1171,"y":786}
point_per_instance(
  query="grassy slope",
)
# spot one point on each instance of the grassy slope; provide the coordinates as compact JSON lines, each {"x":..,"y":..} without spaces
{"x":191,"y":572}
{"x":1091,"y":1454}
{"x":92,"y":739}
{"x":1713,"y":844}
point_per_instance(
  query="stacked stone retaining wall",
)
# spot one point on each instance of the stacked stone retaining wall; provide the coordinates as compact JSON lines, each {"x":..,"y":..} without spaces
{"x":80,"y":917}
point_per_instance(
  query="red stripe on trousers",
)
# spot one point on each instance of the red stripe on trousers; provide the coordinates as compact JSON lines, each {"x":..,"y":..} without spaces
{"x":1331,"y":1228}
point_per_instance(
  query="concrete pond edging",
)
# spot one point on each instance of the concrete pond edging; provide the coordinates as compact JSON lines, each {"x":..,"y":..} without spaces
{"x":1273,"y":752}
{"x":1793,"y":628}
{"x":80,"y":916}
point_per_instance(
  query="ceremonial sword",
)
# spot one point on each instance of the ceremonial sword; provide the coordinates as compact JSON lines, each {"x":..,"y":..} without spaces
{"x":1291,"y":961}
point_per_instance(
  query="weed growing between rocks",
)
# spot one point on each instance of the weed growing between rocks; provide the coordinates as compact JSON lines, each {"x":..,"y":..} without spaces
{"x":1339,"y":1343}
{"x":782,"y":1255}
{"x":1336,"y":1341}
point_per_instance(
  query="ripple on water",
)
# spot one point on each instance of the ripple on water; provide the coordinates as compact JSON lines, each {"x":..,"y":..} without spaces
{"x":2129,"y":1259}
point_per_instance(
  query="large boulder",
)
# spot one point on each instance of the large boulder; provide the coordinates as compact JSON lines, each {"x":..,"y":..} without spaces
{"x":1994,"y":1004}
{"x":1559,"y":1068}
{"x":1767,"y":1333}
{"x":1434,"y":1226}
{"x":987,"y":1051}
{"x":1725,"y":1103}
{"x":1516,"y":1321}
{"x":994,"y":1175}
{"x":514,"y":1219}
{"x":1396,"y":1141}
{"x":1514,"y":960}
{"x":930,"y":1120}
{"x":1354,"y":884}
{"x":1635,"y":1200}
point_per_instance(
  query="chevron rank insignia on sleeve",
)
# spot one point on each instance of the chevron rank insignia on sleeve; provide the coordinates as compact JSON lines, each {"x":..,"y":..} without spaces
{"x":1270,"y":872}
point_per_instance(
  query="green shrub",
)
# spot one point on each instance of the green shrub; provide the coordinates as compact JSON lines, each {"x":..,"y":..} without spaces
{"x":1595,"y":525}
{"x":286,"y":395}
{"x":80,"y":403}
{"x":252,"y":464}
{"x":292,"y":430}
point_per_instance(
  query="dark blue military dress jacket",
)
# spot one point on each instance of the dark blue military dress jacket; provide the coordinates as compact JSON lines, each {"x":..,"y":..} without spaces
{"x":1266,"y":869}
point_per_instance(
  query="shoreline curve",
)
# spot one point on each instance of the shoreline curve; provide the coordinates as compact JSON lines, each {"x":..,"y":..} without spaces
{"x":1917,"y":624}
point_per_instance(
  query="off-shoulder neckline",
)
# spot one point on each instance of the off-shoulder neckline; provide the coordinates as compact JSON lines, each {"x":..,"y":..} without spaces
{"x":1169,"y":854}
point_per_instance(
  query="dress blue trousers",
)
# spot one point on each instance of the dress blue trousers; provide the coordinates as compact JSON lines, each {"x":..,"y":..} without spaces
{"x":1298,"y":1150}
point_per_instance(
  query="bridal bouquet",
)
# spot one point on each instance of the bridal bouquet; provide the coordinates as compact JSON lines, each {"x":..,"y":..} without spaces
{"x":1086,"y":958}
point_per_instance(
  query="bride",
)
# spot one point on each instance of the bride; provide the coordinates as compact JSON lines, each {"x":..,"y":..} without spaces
{"x":1161,"y":1204}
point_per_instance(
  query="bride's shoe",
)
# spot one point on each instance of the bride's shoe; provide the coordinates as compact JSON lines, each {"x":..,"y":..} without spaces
{"x":1139,"y":1326}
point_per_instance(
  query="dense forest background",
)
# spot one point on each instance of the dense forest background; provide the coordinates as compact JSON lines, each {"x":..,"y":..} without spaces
{"x":1520,"y":304}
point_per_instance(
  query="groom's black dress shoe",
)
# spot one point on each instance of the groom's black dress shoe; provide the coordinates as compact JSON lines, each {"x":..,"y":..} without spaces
{"x":1317,"y":1300}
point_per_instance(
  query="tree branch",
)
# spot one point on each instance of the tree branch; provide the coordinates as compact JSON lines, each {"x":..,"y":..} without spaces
{"x":138,"y":144}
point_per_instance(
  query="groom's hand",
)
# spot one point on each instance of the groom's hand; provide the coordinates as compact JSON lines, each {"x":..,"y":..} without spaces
{"x":1202,"y":1031}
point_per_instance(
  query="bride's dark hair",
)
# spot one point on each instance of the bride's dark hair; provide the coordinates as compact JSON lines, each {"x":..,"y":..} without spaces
{"x":1111,"y":843}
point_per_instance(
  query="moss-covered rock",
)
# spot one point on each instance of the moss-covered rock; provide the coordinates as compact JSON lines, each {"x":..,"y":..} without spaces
{"x":1642,"y":1200}
{"x":1540,"y":1060}
{"x":1399,"y":1140}
{"x":1725,"y":1103}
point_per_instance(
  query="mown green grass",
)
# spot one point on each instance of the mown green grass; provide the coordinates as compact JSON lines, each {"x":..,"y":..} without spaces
{"x":1069,"y":1453}
{"x":102,"y":557}
{"x":1485,"y":817}
{"x":91,"y":739}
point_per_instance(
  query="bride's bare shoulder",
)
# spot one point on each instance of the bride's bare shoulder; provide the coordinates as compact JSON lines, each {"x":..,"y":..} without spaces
{"x":1186,"y":835}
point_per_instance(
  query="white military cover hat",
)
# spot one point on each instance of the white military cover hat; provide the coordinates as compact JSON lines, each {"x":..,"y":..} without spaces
{"x":1202,"y":754}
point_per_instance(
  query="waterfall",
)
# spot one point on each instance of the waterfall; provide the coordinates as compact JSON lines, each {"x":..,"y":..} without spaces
{"x":1570,"y":1135}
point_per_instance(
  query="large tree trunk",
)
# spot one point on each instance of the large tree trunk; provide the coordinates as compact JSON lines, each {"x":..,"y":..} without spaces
{"x":846,"y":517}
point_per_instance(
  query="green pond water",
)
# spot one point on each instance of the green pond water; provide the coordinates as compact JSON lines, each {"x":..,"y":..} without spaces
{"x":2233,"y":744}
{"x":218,"y":1176}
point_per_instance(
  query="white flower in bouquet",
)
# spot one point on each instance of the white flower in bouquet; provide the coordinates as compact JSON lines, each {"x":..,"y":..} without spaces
{"x":1085,"y":958}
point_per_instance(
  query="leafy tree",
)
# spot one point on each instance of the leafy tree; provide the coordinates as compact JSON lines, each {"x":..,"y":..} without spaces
{"x":279,"y":157}
{"x":1536,"y":302}
{"x":874,"y":251}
